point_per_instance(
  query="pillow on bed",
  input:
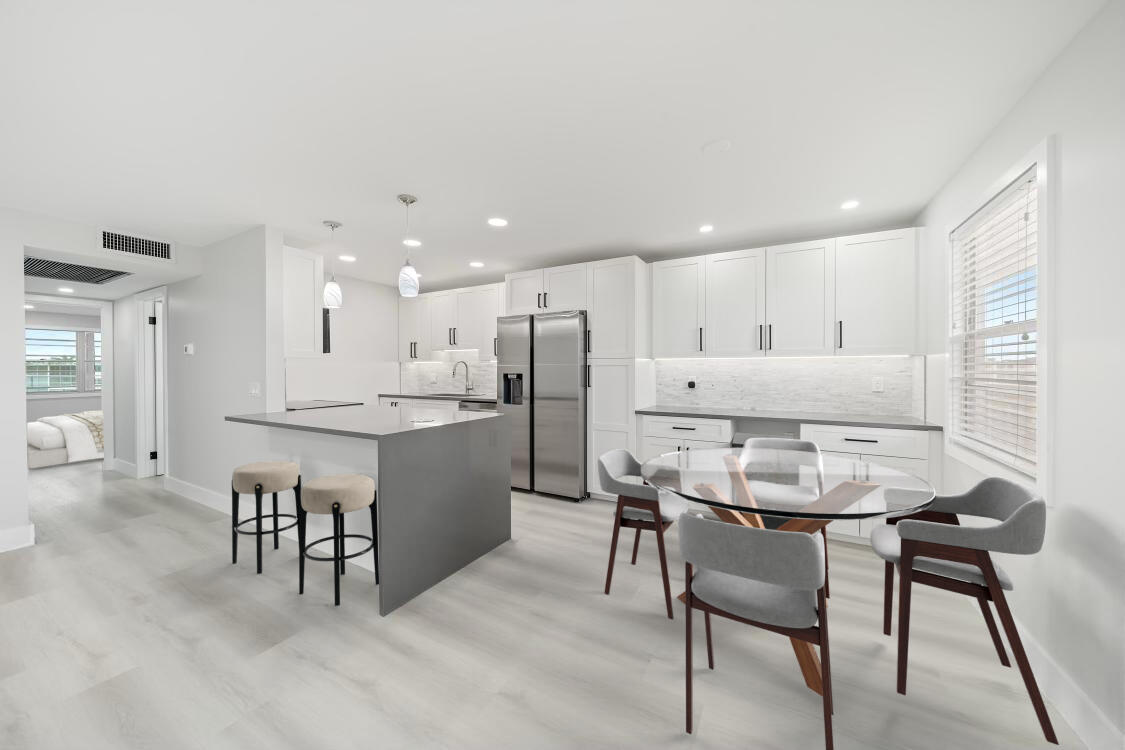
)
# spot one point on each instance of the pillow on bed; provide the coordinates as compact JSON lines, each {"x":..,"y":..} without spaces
{"x":44,"y":437}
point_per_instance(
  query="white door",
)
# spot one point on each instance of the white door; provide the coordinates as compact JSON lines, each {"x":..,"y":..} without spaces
{"x":443,"y":319}
{"x":524,"y":291}
{"x":876,"y":297}
{"x":800,"y":299}
{"x":488,"y":310}
{"x":677,"y":307}
{"x":735,"y":303}
{"x":610,"y":321}
{"x":467,"y":327}
{"x":564,"y":288}
{"x":302,"y":275}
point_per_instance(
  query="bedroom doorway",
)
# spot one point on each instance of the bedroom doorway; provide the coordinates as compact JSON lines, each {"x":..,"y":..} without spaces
{"x":69,"y":392}
{"x":151,"y":407}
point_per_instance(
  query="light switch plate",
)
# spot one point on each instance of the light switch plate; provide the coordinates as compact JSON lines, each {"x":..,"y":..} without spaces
{"x":189,"y":349}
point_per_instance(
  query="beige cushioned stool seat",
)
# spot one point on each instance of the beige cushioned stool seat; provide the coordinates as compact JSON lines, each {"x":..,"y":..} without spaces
{"x":274,"y":476}
{"x":351,"y":491}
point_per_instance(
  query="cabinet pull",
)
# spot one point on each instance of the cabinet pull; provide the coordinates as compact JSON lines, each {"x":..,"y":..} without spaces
{"x":546,"y":304}
{"x":690,"y":429}
{"x":701,"y":338}
{"x":761,"y":336}
{"x":539,"y":301}
{"x":769,"y":337}
{"x":588,"y":349}
{"x":495,"y":343}
{"x":455,"y":337}
{"x":860,"y":440}
{"x":589,"y":375}
{"x":412,"y":350}
{"x":840,"y":330}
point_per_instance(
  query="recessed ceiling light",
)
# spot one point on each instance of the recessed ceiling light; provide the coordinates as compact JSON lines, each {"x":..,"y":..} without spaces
{"x":849,"y":205}
{"x":348,"y":258}
{"x":496,"y":221}
{"x":66,"y":290}
{"x":29,"y":307}
{"x":412,"y":242}
{"x":476,"y":264}
{"x":706,"y":228}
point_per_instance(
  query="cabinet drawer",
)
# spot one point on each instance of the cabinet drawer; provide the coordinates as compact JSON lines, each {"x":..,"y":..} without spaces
{"x":689,"y":428}
{"x":870,"y":441}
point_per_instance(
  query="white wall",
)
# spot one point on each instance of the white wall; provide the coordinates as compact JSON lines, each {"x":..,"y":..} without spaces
{"x":49,"y":407}
{"x":1071,"y":597}
{"x":15,"y":525}
{"x":364,"y":358}
{"x":66,"y":321}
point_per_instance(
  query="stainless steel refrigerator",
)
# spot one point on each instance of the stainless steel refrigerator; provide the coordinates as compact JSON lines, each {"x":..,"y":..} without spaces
{"x":541,"y":386}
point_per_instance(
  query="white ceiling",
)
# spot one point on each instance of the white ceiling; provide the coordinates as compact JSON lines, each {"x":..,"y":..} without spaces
{"x":580,"y":122}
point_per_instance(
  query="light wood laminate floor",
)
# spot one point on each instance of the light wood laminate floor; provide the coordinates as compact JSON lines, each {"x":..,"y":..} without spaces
{"x":127,"y":626}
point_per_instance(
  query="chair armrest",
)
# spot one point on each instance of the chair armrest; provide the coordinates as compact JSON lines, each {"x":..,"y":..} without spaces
{"x":952,"y":504}
{"x":1020,"y":536}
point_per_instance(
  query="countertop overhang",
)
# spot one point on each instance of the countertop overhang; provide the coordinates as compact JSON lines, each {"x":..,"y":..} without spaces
{"x":847,"y":420}
{"x":473,"y":397}
{"x":364,"y":422}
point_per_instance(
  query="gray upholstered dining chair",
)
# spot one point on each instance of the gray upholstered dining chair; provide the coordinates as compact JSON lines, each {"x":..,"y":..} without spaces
{"x":768,"y":579}
{"x":640,"y":507}
{"x":776,"y":465}
{"x":932,"y":548}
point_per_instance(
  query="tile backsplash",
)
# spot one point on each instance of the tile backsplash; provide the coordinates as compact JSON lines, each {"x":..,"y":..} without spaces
{"x":436,"y":377}
{"x":840,"y":385}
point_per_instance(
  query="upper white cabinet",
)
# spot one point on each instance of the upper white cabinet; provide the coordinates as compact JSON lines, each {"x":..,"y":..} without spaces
{"x":617,"y":319}
{"x":735,"y":304}
{"x":453,"y":319}
{"x":302,"y":298}
{"x":800,"y":295}
{"x":678,"y":290}
{"x":876,"y":296}
{"x":547,"y":289}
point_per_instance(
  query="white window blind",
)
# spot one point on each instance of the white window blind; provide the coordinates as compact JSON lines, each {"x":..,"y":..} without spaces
{"x":994,"y":337}
{"x":58,"y":361}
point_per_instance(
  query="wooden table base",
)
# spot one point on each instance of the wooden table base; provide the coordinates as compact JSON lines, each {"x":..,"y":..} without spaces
{"x":833,"y":501}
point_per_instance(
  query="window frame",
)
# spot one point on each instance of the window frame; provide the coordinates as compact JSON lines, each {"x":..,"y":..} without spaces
{"x":85,"y":372}
{"x":1042,"y":157}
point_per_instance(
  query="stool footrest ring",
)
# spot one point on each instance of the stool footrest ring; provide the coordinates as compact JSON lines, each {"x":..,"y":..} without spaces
{"x":264,"y":517}
{"x":322,"y":558}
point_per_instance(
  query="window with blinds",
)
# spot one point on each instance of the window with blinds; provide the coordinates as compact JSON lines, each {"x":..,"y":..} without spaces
{"x":994,"y":337}
{"x":62,"y":361}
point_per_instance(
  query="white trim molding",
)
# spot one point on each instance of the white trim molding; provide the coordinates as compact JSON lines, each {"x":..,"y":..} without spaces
{"x":17,"y":537}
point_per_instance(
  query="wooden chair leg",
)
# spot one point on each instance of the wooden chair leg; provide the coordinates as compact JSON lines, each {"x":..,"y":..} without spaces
{"x":888,"y":595}
{"x":663,"y":565}
{"x":996,"y":641}
{"x":710,"y":650}
{"x":636,"y":545}
{"x":613,"y":544}
{"x":825,"y":671}
{"x":905,"y":574}
{"x":687,"y":631}
{"x":276,"y":533}
{"x":1014,"y":641}
{"x":233,"y":526}
{"x":258,"y":523}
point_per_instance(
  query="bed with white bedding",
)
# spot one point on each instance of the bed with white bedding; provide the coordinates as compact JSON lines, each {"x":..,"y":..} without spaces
{"x":64,"y":439}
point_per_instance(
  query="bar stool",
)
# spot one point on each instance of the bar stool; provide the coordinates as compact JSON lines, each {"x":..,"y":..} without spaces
{"x":336,"y":495}
{"x":258,"y":479}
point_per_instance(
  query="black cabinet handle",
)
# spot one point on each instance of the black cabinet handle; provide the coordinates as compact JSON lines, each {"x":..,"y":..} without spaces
{"x":689,"y":429}
{"x":546,"y":304}
{"x":769,"y":337}
{"x":539,"y":300}
{"x":761,"y":329}
{"x":701,"y":339}
{"x":588,"y":349}
{"x":589,"y":375}
{"x":840,"y":327}
{"x":859,"y":440}
{"x":495,"y":344}
{"x":455,"y":337}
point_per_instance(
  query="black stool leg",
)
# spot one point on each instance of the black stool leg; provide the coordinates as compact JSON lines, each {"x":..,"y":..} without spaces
{"x":233,"y":526}
{"x":336,"y":545}
{"x":343,"y":570}
{"x":375,"y":542}
{"x":258,"y":522}
{"x":276,"y":533}
{"x":301,"y":546}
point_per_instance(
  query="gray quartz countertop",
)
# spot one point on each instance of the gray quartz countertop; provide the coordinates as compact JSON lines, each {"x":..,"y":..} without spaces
{"x":365,"y":422}
{"x":476,"y":398}
{"x":847,"y":420}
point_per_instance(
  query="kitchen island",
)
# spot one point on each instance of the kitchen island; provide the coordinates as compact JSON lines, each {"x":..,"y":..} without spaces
{"x":442,"y":483}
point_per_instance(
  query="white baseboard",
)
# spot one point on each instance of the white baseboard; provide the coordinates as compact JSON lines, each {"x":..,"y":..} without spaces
{"x":121,"y":466}
{"x":17,"y":537}
{"x":201,"y":495}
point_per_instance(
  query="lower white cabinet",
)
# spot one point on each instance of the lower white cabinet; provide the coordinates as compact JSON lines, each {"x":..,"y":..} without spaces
{"x":610,"y":418}
{"x":431,"y":404}
{"x":662,"y":435}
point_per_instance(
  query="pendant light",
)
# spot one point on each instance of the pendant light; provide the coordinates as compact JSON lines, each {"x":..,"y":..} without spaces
{"x":408,"y":277}
{"x":333,"y":295}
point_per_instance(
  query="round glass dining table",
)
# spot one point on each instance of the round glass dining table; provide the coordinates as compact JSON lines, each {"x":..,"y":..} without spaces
{"x":789,"y":484}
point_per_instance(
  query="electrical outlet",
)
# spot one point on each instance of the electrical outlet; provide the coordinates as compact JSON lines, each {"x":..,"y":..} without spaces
{"x":433,"y":379}
{"x":189,"y":349}
{"x":876,"y":385}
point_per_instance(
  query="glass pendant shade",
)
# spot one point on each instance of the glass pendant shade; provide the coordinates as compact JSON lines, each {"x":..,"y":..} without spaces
{"x":333,"y":295}
{"x":408,"y":281}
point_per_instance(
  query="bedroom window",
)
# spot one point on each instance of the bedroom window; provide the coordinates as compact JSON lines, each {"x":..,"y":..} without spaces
{"x":62,"y":361}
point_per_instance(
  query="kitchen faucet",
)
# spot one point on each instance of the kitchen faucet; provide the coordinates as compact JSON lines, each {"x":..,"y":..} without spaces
{"x":468,"y":378}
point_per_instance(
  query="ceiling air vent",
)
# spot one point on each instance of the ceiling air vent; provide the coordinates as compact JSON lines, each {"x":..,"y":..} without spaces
{"x":52,"y":269}
{"x":142,"y":246}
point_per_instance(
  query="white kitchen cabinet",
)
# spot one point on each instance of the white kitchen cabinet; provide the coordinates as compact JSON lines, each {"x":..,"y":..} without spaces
{"x":610,"y":418}
{"x":654,"y":447}
{"x":467,"y":325}
{"x":735,"y":304}
{"x":302,"y":300}
{"x":678,"y":290}
{"x":413,"y":328}
{"x":876,"y":298}
{"x":490,"y":306}
{"x":524,"y":292}
{"x":423,"y":404}
{"x":443,"y":319}
{"x":564,"y":288}
{"x":800,"y":295}
{"x":618,"y":310}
